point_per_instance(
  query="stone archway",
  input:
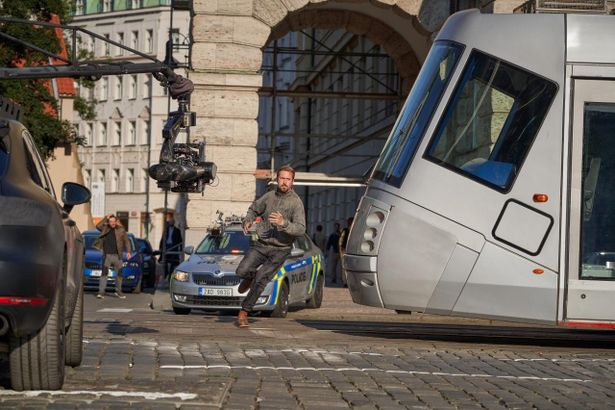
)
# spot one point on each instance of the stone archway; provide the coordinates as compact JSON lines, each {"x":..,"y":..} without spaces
{"x":227,"y":55}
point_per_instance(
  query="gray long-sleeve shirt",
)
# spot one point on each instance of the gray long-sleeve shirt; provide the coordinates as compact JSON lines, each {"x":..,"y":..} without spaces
{"x":290,"y":206}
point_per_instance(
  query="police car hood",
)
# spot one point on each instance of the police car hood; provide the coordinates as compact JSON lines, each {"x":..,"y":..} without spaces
{"x":211,"y":263}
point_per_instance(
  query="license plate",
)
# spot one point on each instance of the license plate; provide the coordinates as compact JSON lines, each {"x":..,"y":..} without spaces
{"x":215,"y":292}
{"x":96,"y":273}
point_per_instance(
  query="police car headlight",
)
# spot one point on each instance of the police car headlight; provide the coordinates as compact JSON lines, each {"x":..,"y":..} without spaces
{"x":181,"y":276}
{"x":262,"y":300}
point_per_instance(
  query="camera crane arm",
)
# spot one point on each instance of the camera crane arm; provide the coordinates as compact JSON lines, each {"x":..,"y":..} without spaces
{"x":182,"y":167}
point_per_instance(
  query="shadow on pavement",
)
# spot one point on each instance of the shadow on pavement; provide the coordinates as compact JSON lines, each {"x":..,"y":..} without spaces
{"x":123,"y":329}
{"x":510,"y":335}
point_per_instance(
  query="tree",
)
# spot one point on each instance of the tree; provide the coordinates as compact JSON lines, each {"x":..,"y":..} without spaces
{"x":35,"y":96}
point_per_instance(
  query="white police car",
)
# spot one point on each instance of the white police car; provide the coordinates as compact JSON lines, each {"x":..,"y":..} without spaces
{"x":207,"y":279}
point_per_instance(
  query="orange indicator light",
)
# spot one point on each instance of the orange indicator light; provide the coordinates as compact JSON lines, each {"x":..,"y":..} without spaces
{"x":538,"y":271}
{"x":540,"y":197}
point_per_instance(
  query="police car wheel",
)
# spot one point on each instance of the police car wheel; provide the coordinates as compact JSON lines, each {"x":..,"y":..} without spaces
{"x":281,"y":308}
{"x":316,"y":300}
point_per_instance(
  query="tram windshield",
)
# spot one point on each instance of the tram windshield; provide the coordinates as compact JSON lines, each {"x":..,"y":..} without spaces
{"x":417,"y":112}
{"x":491,"y":121}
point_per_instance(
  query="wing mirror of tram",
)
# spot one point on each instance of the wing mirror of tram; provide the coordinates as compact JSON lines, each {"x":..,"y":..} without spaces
{"x":189,"y":250}
{"x":74,"y":194}
{"x":297,"y":253}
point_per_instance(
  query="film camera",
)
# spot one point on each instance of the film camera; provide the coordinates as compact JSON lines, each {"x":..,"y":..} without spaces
{"x":182,"y":166}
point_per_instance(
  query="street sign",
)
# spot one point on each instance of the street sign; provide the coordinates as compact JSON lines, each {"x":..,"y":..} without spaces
{"x":98,"y":199}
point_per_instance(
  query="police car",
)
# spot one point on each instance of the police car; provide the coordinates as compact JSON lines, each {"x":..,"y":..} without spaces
{"x":207,"y":279}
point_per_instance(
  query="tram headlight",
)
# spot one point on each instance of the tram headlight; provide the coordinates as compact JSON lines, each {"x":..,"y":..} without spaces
{"x":370,"y":233}
{"x":374,"y":219}
{"x":367,"y":246}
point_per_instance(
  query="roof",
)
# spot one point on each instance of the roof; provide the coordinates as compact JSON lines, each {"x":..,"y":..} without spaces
{"x":66,"y":86}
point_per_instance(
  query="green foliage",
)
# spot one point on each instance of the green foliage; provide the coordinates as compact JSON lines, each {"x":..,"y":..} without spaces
{"x":34,"y":96}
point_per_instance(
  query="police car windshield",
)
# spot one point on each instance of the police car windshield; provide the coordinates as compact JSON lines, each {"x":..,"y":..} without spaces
{"x":227,"y":243}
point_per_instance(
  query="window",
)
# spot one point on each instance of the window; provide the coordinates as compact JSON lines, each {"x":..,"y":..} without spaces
{"x":106,"y":48}
{"x":117,"y":135}
{"x":145,"y":137}
{"x":79,"y":7}
{"x":107,"y":5}
{"x":130,"y":180}
{"x":104,"y":89}
{"x":302,"y":243}
{"x":132,"y":87}
{"x":135,"y":4}
{"x":149,"y":41}
{"x":115,"y":180}
{"x":135,"y":40}
{"x":88,"y":133}
{"x":491,"y":121}
{"x":132,"y":133}
{"x":119,"y":87}
{"x":101,"y":175}
{"x":416,"y":114}
{"x":145,"y":179}
{"x":147,"y":86}
{"x":228,"y":243}
{"x":120,"y":39}
{"x":32,"y":162}
{"x":87,"y":178}
{"x":103,"y":134}
{"x":598,"y":196}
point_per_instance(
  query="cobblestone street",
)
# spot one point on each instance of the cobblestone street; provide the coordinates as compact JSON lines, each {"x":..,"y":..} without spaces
{"x":340,"y":356}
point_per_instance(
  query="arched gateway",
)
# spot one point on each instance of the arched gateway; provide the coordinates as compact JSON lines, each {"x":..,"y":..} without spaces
{"x":228,"y":38}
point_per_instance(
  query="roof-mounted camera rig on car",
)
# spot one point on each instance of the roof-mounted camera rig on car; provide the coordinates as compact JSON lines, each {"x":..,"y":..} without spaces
{"x":182,"y":166}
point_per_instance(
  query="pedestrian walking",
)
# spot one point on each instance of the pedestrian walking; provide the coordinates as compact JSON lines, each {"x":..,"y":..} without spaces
{"x":282,"y":220}
{"x":333,"y":252}
{"x":113,"y":241}
{"x":319,"y":237}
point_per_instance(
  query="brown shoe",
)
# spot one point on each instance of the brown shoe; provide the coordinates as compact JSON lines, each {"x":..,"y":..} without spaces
{"x":242,"y":319}
{"x":245,"y":285}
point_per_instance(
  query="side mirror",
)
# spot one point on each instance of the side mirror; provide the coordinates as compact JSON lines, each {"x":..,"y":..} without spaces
{"x":74,"y":194}
{"x":297,"y":253}
{"x":189,"y":250}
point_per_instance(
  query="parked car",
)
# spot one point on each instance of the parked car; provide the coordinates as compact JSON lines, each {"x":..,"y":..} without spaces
{"x":207,"y":279}
{"x":149,"y":262}
{"x":41,"y":260}
{"x":132,"y":269}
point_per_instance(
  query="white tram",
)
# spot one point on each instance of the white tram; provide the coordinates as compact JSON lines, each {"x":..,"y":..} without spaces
{"x":494,"y":196}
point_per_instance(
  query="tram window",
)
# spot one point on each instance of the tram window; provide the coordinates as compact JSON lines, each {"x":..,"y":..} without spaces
{"x":416,"y":114}
{"x":598,"y":201}
{"x":491,"y":121}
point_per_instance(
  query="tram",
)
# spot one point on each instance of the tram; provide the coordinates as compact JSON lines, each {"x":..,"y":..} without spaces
{"x":494,"y":195}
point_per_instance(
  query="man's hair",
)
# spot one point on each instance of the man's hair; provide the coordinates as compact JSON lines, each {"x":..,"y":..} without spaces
{"x":113,"y":216}
{"x":286,"y":168}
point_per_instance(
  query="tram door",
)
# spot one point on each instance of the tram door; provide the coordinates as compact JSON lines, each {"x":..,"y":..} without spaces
{"x":591,"y":264}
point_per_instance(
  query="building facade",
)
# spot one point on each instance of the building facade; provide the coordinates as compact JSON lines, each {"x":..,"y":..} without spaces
{"x":126,"y":136}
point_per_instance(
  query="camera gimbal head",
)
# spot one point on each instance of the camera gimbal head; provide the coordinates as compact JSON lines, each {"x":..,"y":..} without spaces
{"x":182,"y":167}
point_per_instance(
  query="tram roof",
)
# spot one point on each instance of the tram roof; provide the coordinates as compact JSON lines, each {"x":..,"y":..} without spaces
{"x":536,"y":39}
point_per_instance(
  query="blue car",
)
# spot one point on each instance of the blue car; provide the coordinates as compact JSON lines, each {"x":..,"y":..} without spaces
{"x":132,"y":270}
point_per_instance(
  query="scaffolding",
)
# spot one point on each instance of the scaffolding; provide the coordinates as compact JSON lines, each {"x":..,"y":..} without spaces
{"x":388,"y":80}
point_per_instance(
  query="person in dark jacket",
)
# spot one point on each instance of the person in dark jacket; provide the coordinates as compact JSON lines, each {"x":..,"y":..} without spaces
{"x":343,"y":241}
{"x":333,"y":252}
{"x":114,"y":242}
{"x":171,"y":245}
{"x":282,"y":217}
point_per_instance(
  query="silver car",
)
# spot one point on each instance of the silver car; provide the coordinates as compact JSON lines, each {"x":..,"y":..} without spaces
{"x":207,"y":279}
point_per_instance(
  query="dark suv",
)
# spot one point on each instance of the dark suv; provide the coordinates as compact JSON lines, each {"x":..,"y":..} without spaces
{"x":41,"y":261}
